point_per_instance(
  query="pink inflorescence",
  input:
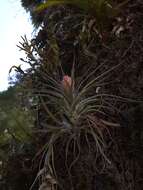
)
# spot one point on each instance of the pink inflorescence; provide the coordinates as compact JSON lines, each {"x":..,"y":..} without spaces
{"x":67,"y":82}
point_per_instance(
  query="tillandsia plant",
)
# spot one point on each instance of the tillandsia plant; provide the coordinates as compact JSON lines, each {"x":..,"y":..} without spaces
{"x":74,"y":111}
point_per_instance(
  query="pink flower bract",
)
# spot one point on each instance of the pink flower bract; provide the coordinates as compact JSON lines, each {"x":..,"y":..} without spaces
{"x":67,"y":82}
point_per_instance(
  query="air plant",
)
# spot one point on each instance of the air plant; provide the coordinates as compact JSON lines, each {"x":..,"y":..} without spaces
{"x":75,"y":111}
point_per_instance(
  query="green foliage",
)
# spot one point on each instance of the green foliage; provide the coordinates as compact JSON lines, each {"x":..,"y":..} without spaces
{"x":15,"y":122}
{"x":8,"y":98}
{"x":16,"y":126}
{"x":102,"y":10}
{"x":95,"y":7}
